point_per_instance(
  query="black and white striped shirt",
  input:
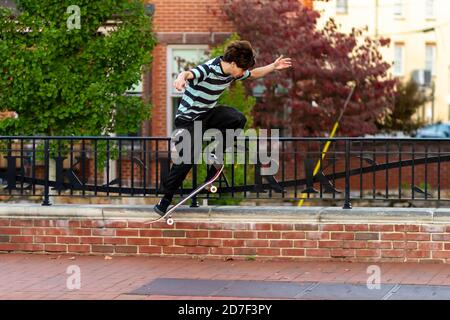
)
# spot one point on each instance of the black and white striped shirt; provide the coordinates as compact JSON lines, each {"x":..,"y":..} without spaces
{"x":204,"y":90}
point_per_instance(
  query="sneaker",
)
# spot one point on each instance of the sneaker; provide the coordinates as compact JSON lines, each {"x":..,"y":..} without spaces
{"x":161,"y":207}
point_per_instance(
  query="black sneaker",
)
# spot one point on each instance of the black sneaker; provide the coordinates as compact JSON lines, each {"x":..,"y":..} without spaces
{"x":161,"y":207}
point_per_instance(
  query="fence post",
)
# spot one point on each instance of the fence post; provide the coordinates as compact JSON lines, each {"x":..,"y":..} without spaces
{"x":46,"y":201}
{"x":194,"y":203}
{"x":348,"y":204}
{"x":11,"y":169}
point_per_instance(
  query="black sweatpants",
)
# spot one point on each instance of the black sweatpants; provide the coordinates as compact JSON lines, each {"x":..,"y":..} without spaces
{"x":220,"y":118}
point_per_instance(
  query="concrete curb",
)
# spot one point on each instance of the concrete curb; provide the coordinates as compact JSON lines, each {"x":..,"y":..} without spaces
{"x":230,"y":214}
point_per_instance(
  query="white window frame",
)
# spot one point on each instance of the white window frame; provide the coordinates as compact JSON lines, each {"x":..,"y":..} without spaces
{"x":169,"y":84}
{"x":448,"y":91}
{"x":341,"y":6}
{"x":399,"y":8}
{"x":403,"y":56}
{"x":433,"y":58}
{"x":430,"y":6}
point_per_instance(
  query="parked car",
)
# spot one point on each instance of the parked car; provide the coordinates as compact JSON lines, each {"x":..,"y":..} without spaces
{"x":439,"y":130}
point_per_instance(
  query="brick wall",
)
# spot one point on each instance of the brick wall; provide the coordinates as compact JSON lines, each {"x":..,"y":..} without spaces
{"x":367,"y":242}
{"x":192,"y":16}
{"x":435,"y":176}
{"x":189,"y":16}
{"x":159,"y":95}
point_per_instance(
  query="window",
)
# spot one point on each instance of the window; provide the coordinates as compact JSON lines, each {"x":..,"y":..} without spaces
{"x":430,"y":9}
{"x":342,"y":6}
{"x":258,"y":90}
{"x":399,"y":59}
{"x":398,"y":8}
{"x":448,"y":76}
{"x":430,"y":58}
{"x":180,"y":58}
{"x":448,"y":92}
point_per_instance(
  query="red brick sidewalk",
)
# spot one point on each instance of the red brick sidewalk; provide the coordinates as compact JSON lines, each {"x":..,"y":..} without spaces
{"x":45,"y":277}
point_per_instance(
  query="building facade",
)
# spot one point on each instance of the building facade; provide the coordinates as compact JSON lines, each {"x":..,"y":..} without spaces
{"x":420,"y":41}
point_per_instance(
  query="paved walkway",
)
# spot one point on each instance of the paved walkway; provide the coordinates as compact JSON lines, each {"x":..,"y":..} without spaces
{"x":46,"y":277}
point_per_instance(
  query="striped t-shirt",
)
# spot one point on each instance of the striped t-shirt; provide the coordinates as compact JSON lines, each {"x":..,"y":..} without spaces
{"x":204,"y":90}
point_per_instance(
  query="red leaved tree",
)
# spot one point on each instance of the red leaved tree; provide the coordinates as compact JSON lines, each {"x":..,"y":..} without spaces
{"x":307,"y":99}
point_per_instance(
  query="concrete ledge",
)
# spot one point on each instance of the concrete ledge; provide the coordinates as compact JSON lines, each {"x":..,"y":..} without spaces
{"x":231,"y":213}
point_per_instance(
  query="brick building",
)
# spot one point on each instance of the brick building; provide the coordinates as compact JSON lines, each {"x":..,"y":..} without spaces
{"x":184,"y":29}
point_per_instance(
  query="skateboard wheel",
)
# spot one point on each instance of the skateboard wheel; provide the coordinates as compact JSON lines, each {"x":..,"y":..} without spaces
{"x":170,"y":221}
{"x":213,"y":189}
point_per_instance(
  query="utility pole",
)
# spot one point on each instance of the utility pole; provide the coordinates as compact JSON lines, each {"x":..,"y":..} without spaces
{"x":377,"y":6}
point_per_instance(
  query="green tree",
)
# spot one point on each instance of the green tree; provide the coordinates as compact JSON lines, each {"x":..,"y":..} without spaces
{"x":63,"y":79}
{"x":408,"y":99}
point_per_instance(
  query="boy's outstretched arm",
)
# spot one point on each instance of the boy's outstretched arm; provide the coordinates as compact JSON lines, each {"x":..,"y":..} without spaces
{"x":279,"y":64}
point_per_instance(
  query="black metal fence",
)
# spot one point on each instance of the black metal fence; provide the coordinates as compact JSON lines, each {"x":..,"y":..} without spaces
{"x":352,"y":170}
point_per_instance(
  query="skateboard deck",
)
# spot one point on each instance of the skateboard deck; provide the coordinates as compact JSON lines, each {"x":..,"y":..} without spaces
{"x":206,"y":185}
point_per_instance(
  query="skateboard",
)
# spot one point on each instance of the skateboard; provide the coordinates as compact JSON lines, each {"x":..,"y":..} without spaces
{"x":206,"y":185}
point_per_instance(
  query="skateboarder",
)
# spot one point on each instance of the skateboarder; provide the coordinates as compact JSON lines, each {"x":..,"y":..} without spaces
{"x":199,"y":103}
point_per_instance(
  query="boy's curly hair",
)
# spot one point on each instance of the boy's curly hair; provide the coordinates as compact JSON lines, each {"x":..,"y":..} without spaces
{"x":241,"y":53}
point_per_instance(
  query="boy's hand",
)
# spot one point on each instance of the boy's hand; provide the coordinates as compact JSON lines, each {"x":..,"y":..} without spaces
{"x":182,"y":79}
{"x":180,"y":84}
{"x":281,"y":63}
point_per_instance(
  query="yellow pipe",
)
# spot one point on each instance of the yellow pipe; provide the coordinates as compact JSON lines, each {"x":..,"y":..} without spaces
{"x":324,"y":152}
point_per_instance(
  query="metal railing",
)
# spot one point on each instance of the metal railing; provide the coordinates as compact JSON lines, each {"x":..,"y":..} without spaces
{"x":354,"y":170}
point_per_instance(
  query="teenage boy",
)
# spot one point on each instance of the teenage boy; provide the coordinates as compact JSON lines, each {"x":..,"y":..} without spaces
{"x":199,"y":102}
